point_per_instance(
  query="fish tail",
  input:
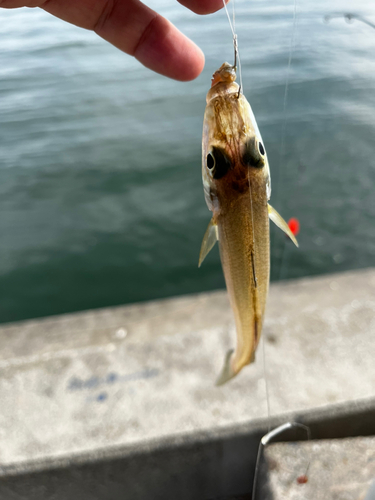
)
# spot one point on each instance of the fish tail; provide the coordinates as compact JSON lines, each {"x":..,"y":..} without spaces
{"x":227,"y":371}
{"x":234,"y":362}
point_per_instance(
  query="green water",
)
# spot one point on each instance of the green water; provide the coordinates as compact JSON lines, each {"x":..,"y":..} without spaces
{"x":101,"y":199}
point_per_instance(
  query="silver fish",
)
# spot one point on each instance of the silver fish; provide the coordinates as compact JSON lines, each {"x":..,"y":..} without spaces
{"x":237,"y":187}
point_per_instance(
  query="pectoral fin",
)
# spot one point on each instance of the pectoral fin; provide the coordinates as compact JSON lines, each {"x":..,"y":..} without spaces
{"x":209,"y":239}
{"x":280,"y":222}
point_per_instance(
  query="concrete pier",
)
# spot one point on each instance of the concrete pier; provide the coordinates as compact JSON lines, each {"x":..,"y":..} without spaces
{"x":121,"y":402}
{"x":320,"y":470}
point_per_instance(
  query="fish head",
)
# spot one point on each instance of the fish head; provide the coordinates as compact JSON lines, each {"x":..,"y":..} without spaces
{"x":233,"y":153}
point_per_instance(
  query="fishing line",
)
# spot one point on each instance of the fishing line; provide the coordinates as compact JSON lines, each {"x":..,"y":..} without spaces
{"x":234,"y":15}
{"x":275,"y":432}
{"x":266,"y":384}
{"x":228,"y":16}
{"x":283,"y":128}
{"x":262,"y":337}
{"x":232,"y":25}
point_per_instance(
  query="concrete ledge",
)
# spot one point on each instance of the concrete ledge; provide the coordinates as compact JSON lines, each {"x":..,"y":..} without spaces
{"x":212,"y":465}
{"x":323,"y":470}
{"x":120,"y":403}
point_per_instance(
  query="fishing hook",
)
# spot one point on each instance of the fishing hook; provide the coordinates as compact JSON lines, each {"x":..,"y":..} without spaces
{"x":266,"y":439}
{"x":235,"y":46}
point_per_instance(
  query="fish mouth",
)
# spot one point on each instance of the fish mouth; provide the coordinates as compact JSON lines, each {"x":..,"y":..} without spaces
{"x":225,"y":74}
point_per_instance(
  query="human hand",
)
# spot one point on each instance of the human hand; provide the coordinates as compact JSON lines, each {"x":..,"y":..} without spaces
{"x":135,"y":29}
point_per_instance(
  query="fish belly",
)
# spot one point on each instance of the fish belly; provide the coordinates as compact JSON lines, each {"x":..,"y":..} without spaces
{"x":245,"y":257}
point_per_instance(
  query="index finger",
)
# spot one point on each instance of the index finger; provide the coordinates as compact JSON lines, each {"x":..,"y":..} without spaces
{"x":203,"y":6}
{"x":139,"y":31}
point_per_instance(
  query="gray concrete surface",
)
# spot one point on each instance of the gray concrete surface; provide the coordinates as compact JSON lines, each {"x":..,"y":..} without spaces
{"x":130,"y":387}
{"x":341,"y":469}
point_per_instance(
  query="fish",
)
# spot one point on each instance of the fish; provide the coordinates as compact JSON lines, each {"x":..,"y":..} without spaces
{"x":237,"y":188}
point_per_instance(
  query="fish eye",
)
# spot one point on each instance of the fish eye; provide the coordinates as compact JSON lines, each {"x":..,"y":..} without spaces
{"x":217,"y":162}
{"x":210,"y":161}
{"x":254,"y":153}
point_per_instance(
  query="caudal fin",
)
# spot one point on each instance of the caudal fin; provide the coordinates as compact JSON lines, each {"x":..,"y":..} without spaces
{"x":227,"y":372}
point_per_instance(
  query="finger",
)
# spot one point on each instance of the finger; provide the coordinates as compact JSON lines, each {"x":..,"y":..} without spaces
{"x":15,"y":4}
{"x":166,"y":50}
{"x":203,"y":6}
{"x":137,"y":30}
